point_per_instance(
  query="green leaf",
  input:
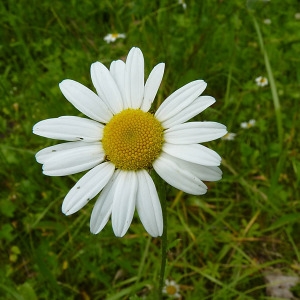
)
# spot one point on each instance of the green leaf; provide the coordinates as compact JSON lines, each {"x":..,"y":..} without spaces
{"x":27,"y":291}
{"x":284,"y":220}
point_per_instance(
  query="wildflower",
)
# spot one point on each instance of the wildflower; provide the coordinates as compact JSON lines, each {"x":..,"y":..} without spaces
{"x":182,"y":3}
{"x":249,"y":124}
{"x":229,"y":136}
{"x":123,"y":141}
{"x":112,"y":37}
{"x":171,"y":289}
{"x":261,"y":81}
{"x":267,"y":21}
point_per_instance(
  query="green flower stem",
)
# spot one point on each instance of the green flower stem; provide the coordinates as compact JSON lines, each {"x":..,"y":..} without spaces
{"x":164,"y":246}
{"x":275,"y":97}
{"x":161,"y":190}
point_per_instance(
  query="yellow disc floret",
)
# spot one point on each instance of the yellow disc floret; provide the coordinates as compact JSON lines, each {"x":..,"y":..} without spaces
{"x":171,"y":290}
{"x":132,"y":139}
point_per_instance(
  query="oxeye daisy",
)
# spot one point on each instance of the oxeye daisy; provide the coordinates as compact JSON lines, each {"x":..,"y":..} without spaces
{"x":121,"y":141}
{"x":182,"y":3}
{"x":261,"y":81}
{"x":267,"y":21}
{"x":112,"y":37}
{"x":246,"y":125}
{"x":230,"y":136}
{"x":171,"y":289}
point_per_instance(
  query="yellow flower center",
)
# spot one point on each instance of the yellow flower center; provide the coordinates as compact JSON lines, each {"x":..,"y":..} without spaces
{"x":171,"y":290}
{"x":132,"y":139}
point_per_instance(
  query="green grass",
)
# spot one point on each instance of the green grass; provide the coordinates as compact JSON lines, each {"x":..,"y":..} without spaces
{"x":220,"y":243}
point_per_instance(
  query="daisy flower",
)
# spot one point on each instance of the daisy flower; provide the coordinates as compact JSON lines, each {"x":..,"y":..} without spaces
{"x":122,"y":141}
{"x":112,"y":37}
{"x":249,"y":124}
{"x":261,"y":81}
{"x":182,"y":3}
{"x":171,"y":289}
{"x":267,"y":21}
{"x":230,"y":136}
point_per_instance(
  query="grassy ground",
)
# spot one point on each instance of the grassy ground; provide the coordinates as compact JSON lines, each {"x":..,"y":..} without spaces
{"x":220,"y":243}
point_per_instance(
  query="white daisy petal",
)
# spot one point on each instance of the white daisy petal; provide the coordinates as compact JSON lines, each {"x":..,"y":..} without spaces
{"x":103,"y":207}
{"x":182,"y":179}
{"x":134,"y":78}
{"x":106,"y":87}
{"x":189,"y":111}
{"x":194,"y":132}
{"x":124,"y":202}
{"x":148,"y":204}
{"x":117,"y":70}
{"x":87,"y":187}
{"x":206,"y":173}
{"x":69,"y":128}
{"x":193,"y":153}
{"x":180,"y":99}
{"x":74,"y":160}
{"x":85,"y":100}
{"x":152,"y":85}
{"x":48,"y":152}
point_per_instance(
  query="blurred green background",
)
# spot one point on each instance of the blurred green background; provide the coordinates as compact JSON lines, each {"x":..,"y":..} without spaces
{"x":220,"y":244}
